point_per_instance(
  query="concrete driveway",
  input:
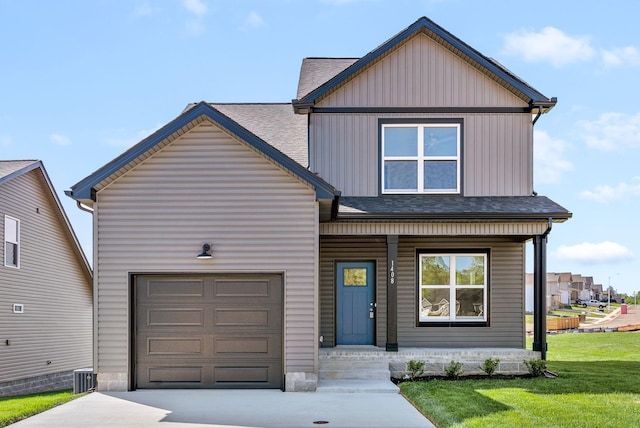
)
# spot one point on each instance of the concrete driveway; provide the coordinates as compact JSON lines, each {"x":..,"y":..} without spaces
{"x":231,"y":408}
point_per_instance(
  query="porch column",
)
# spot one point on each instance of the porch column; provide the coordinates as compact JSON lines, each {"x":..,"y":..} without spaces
{"x":540,"y":294}
{"x":392,"y":293}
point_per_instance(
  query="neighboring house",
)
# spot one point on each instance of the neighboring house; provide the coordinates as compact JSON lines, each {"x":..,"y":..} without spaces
{"x":45,"y":286}
{"x":388,"y":206}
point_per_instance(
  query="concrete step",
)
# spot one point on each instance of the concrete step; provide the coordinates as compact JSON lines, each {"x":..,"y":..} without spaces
{"x":345,"y":368}
{"x":355,"y":374}
{"x":355,"y":385}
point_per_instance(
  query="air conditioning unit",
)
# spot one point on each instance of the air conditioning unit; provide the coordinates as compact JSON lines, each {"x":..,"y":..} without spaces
{"x":84,"y":380}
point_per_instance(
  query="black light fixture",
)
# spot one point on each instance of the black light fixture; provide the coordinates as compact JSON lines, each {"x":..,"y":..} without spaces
{"x":205,"y":254}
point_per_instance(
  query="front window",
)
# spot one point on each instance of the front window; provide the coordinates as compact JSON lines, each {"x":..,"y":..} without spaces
{"x":421,"y":158}
{"x":452,"y":287}
{"x":11,"y":242}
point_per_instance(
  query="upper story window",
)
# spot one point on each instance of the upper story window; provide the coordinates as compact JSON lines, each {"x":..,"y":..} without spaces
{"x":11,"y":242}
{"x":421,"y":158}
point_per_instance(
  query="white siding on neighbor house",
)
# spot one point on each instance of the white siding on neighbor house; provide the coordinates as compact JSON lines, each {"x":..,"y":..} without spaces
{"x":52,"y":284}
{"x":421,"y":73}
{"x":206,"y":186}
{"x":497,"y":154}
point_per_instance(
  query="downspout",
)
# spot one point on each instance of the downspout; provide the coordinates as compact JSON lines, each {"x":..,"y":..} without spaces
{"x":83,"y":207}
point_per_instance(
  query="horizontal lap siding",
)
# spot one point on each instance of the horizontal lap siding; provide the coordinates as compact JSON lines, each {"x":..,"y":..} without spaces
{"x":206,"y":186}
{"x":51,"y":283}
{"x":497,"y":158}
{"x":506,"y":297}
{"x":334,"y":249}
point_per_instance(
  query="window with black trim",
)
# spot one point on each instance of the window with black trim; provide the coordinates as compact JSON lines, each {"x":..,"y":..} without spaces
{"x":420,"y":158}
{"x":452,"y":286}
{"x":11,"y":242}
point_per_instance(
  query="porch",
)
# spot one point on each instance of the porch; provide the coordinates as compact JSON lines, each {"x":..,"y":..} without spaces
{"x":369,"y":368}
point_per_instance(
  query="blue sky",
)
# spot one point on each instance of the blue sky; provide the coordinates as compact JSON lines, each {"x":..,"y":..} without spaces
{"x":81,"y":81}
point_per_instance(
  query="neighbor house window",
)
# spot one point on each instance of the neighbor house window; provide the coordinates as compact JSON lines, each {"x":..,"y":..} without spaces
{"x":11,"y":241}
{"x":421,"y":158}
{"x":452,"y":287}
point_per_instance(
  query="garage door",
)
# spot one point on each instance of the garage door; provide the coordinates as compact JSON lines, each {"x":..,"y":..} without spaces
{"x":214,"y":331}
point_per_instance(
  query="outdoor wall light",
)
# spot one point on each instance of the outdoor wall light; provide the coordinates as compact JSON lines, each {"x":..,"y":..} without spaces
{"x":206,"y":252}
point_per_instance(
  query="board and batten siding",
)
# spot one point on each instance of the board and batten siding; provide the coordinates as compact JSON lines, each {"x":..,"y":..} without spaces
{"x":205,"y":186}
{"x":421,"y":73}
{"x":335,"y":249}
{"x":497,"y":151}
{"x":52,"y":283}
{"x":506,"y":290}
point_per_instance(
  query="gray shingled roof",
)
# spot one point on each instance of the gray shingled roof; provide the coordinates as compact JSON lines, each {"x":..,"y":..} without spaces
{"x":8,"y":167}
{"x":315,"y":72}
{"x":276,"y":124}
{"x":451,"y":207}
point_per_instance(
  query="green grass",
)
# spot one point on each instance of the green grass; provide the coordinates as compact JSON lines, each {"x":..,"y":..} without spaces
{"x":598,"y":386}
{"x":13,"y":409}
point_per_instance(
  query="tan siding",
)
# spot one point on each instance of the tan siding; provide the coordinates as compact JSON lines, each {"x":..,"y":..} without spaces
{"x":334,"y":249}
{"x":506,"y":293}
{"x":206,"y":186}
{"x":51,"y":284}
{"x":430,"y":229}
{"x":506,"y":297}
{"x":421,"y":73}
{"x":496,"y":155}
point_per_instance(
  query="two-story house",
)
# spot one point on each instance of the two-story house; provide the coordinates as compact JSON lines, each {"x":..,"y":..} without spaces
{"x":46,"y":297}
{"x":386,"y":208}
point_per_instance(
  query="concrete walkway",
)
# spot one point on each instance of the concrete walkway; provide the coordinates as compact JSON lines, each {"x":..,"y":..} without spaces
{"x":231,"y":408}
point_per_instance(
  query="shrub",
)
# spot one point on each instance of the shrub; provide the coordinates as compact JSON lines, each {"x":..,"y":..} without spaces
{"x":490,"y":366}
{"x":453,"y":370}
{"x":536,"y":367}
{"x":415,"y":369}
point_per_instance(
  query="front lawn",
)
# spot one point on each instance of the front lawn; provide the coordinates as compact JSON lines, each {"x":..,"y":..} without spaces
{"x":13,"y":409}
{"x":598,"y":386}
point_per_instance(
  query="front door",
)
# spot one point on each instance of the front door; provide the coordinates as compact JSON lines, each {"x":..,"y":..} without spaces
{"x":355,"y":300}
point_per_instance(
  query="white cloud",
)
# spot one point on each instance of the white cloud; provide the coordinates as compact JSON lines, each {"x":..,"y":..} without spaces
{"x":612,"y":131}
{"x":605,"y":194}
{"x":549,"y":44}
{"x":548,"y":153}
{"x":253,"y":20}
{"x":594,"y":253}
{"x":127,"y":142}
{"x":197,"y":7}
{"x":143,"y":9}
{"x":629,"y":55}
{"x":60,"y":140}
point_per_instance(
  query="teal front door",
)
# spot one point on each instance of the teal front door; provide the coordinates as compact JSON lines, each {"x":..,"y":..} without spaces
{"x":355,"y":301}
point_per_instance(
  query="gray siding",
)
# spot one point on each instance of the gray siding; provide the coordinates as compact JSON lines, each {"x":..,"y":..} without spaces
{"x":506,"y":291}
{"x":52,"y":284}
{"x":497,"y":154}
{"x":421,"y":73}
{"x":205,"y":186}
{"x":336,"y":249}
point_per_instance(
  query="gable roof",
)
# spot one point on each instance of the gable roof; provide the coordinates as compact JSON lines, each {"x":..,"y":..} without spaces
{"x":537,"y":101}
{"x":314,"y":72}
{"x":10,"y":170}
{"x":84,"y":191}
{"x":275,"y":123}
